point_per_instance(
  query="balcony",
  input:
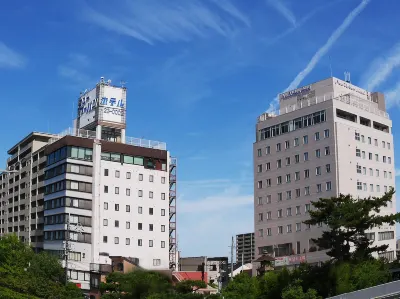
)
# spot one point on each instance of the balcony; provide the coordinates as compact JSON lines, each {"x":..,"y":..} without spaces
{"x":100,"y":268}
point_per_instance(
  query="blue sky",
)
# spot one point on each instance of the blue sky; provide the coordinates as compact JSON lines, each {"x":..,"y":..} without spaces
{"x":198,"y":74}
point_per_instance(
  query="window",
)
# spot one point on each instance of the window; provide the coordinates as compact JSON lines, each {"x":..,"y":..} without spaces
{"x":105,"y":172}
{"x":279,"y":180}
{"x":106,"y":206}
{"x":287,"y":161}
{"x":389,"y":160}
{"x":363,"y":154}
{"x":116,"y":240}
{"x":151,"y":228}
{"x":260,"y":217}
{"x":116,"y":224}
{"x":296,"y":142}
{"x":128,"y":225}
{"x":357,"y":136}
{"x":288,"y":195}
{"x":318,"y":153}
{"x":269,"y":215}
{"x":370,"y":236}
{"x":326,"y":133}
{"x":363,"y":138}
{"x":128,"y":175}
{"x":287,"y":144}
{"x":289,"y":228}
{"x":139,"y":242}
{"x":369,"y":140}
{"x":364,"y":171}
{"x":260,"y":201}
{"x":307,"y":190}
{"x":319,"y":188}
{"x":385,"y":188}
{"x":105,"y":189}
{"x":370,"y":156}
{"x":307,"y":207}
{"x":365,"y":186}
{"x":280,"y":213}
{"x":150,"y":194}
{"x":390,"y":174}
{"x":376,"y":157}
{"x":328,"y":186}
{"x":359,"y":186}
{"x":278,"y":163}
{"x":162,"y":228}
{"x":298,"y":192}
{"x":378,"y":188}
{"x":128,"y":208}
{"x":377,"y":172}
{"x":151,"y":178}
{"x":371,"y":172}
{"x":384,"y":159}
{"x":140,"y":177}
{"x":306,"y":173}
{"x":116,"y":207}
{"x":140,"y":226}
{"x":150,"y":243}
{"x":306,"y":156}
{"x":162,"y":246}
{"x":268,"y":182}
{"x":328,"y":168}
{"x":371,"y":187}
{"x":116,"y":190}
{"x":163,"y":180}
{"x":358,"y":152}
{"x":288,"y":178}
{"x":260,"y":233}
{"x":259,"y":168}
{"x":376,"y":142}
{"x":358,"y":169}
{"x":268,"y":198}
{"x":388,"y":145}
{"x":327,"y":151}
{"x":388,"y":235}
{"x":269,"y":233}
{"x":278,"y":147}
{"x":297,"y":175}
{"x":259,"y":184}
{"x":162,"y":212}
{"x":298,"y":212}
{"x":289,"y":212}
{"x":140,"y":210}
{"x":318,"y":170}
{"x":297,"y":158}
{"x":140,"y":193}
{"x":127,"y":241}
{"x":105,"y":239}
{"x":259,"y":152}
{"x":105,"y":222}
{"x":117,"y":174}
{"x":280,"y":230}
{"x":268,"y":150}
{"x":151,"y":211}
{"x":383,"y":144}
{"x":268,"y":166}
{"x":316,"y":136}
{"x":298,"y":227}
{"x":162,"y":196}
{"x":128,"y":192}
{"x":280,"y":196}
{"x":305,"y":139}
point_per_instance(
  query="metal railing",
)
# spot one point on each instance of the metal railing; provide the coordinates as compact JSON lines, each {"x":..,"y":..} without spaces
{"x":349,"y":99}
{"x":92,"y":135}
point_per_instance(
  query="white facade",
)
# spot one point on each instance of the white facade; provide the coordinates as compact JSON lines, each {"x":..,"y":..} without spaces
{"x":330,"y":137}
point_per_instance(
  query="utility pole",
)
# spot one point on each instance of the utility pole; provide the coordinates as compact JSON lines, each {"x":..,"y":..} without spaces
{"x":232,"y":247}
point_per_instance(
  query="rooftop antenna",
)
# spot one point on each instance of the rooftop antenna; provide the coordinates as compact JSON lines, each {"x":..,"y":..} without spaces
{"x":109,"y":82}
{"x":101,"y":79}
{"x":347,"y":77}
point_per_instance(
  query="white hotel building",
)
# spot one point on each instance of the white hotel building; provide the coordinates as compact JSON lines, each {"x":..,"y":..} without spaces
{"x":329,"y":138}
{"x":105,"y":195}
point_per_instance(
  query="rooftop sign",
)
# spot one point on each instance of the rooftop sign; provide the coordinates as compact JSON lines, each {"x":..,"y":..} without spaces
{"x":295,"y":92}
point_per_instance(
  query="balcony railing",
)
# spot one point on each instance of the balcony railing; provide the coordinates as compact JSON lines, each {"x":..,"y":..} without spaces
{"x":100,"y":268}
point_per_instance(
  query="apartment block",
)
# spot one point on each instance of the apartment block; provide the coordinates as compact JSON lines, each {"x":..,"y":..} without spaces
{"x":245,"y":248}
{"x":328,"y":138}
{"x":22,"y":190}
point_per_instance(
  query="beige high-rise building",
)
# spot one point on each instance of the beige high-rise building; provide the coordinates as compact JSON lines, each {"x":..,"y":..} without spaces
{"x":328,"y":138}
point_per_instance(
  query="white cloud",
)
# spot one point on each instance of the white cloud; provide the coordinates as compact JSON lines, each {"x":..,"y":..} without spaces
{"x":10,"y":58}
{"x":323,"y":50}
{"x":283,"y":10}
{"x":392,"y":96}
{"x":74,"y":69}
{"x":381,"y":68}
{"x":154,"y":21}
{"x":397,"y":173}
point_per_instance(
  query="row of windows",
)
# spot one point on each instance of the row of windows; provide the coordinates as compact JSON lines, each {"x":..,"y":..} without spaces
{"x":57,"y":235}
{"x":68,"y":168}
{"x":72,"y":152}
{"x":361,"y":138}
{"x":292,"y":125}
{"x":128,"y":242}
{"x":363,"y":170}
{"x":148,"y":163}
{"x":128,"y":225}
{"x":128,"y":192}
{"x":129,"y":176}
{"x":128,"y":209}
{"x":387,"y":235}
{"x":289,"y":229}
{"x":72,"y":255}
{"x":68,"y":185}
{"x":68,"y":202}
{"x":364,"y":187}
{"x":297,"y":176}
{"x":362,"y":154}
{"x":297,"y":210}
{"x":63,"y":219}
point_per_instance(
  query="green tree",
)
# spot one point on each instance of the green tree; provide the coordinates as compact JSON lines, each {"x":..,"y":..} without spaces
{"x":348,"y":219}
{"x":242,"y":286}
{"x":296,"y":292}
{"x":189,"y":286}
